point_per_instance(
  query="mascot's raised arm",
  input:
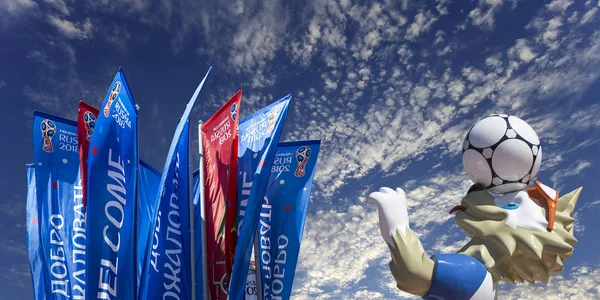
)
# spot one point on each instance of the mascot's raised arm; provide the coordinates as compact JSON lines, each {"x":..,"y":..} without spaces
{"x":517,"y":233}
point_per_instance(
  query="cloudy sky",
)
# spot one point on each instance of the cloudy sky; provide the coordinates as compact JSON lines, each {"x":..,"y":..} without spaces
{"x":389,"y":87}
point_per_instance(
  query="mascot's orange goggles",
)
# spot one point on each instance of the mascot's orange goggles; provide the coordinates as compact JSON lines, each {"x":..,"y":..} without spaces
{"x":542,"y":193}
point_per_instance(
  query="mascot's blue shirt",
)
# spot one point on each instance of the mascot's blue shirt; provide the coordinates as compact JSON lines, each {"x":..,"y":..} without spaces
{"x":459,"y":276}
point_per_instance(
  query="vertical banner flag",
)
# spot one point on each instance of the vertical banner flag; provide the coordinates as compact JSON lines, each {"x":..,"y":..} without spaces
{"x":198,"y":241}
{"x":112,"y":189}
{"x":60,"y":214}
{"x":251,"y":280}
{"x":86,"y":121}
{"x":148,"y":182}
{"x":34,"y":247}
{"x":168,"y":267}
{"x":231,"y":212}
{"x":220,"y":166}
{"x":251,"y":292}
{"x":258,"y":137}
{"x":283,"y":214}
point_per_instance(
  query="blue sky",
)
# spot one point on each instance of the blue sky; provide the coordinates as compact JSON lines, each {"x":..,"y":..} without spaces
{"x":390,"y":88}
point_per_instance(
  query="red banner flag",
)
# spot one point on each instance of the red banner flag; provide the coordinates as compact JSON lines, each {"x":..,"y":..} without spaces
{"x":86,"y":120}
{"x":219,"y":140}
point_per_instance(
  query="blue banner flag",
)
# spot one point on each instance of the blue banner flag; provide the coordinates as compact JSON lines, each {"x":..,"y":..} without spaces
{"x":148,"y":181}
{"x":283,"y":214}
{"x":168,"y":267}
{"x":198,"y":237}
{"x":60,"y":215}
{"x":258,"y":137}
{"x":111,"y":199}
{"x":34,"y":247}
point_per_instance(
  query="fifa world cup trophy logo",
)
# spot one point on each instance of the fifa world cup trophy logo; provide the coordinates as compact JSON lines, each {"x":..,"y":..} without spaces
{"x":273,"y":117}
{"x":302,"y":155}
{"x":233,"y":111}
{"x":113,"y":95}
{"x":48,"y":131}
{"x":90,"y":122}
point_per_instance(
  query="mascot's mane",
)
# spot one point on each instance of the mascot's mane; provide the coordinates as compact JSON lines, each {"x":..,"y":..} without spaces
{"x":516,"y":255}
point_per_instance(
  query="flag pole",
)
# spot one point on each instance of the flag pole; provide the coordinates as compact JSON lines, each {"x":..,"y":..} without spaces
{"x":191,"y":208}
{"x":138,"y":280}
{"x":205,"y":292}
{"x":257,"y":267}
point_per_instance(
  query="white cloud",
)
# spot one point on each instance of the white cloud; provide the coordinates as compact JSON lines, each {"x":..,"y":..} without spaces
{"x":330,"y":85}
{"x":473,"y":74}
{"x":257,"y":40}
{"x":495,"y":63}
{"x":456,"y":88}
{"x":573,"y":17}
{"x":365,"y":294}
{"x":421,"y":95}
{"x":330,"y":244}
{"x":430,"y":202}
{"x":442,"y":6}
{"x":481,"y":18}
{"x":449,"y":243}
{"x":439,"y":37}
{"x":372,"y":39}
{"x":445,"y":51}
{"x":559,"y":5}
{"x":581,"y":282}
{"x":79,"y":30}
{"x":522,"y":51}
{"x":314,"y":32}
{"x":550,"y":36}
{"x":422,"y":22}
{"x":589,"y":15}
{"x":559,"y":176}
{"x":483,"y":15}
{"x":480,"y":92}
{"x":556,"y":129}
{"x":326,"y":29}
{"x":16,"y":7}
{"x":59,"y":5}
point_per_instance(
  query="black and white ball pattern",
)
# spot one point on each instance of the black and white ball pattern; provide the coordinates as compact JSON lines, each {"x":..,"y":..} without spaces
{"x":502,"y":153}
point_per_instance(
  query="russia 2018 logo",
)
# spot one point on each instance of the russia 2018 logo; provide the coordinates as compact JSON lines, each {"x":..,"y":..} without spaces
{"x":302,"y":155}
{"x":48,"y":131}
{"x":90,"y":122}
{"x":273,"y":117}
{"x":113,"y":95}
{"x":233,"y":111}
{"x":224,"y":284}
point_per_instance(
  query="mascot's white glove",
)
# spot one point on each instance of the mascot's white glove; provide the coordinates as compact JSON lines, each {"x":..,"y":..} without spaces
{"x":393,"y":215}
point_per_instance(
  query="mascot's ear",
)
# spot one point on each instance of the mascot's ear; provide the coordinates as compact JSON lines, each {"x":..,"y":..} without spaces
{"x":475,"y":188}
{"x":566,"y":203}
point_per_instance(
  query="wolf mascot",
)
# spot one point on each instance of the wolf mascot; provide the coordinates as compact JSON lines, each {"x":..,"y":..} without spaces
{"x":524,"y":234}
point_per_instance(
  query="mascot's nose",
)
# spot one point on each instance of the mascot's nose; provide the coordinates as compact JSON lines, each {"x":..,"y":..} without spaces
{"x":458,"y":207}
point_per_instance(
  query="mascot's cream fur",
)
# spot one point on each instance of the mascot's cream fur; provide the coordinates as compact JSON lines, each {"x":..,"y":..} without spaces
{"x":515,"y":246}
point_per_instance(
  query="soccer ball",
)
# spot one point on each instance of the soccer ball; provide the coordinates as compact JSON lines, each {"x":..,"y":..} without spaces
{"x":502,"y":153}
